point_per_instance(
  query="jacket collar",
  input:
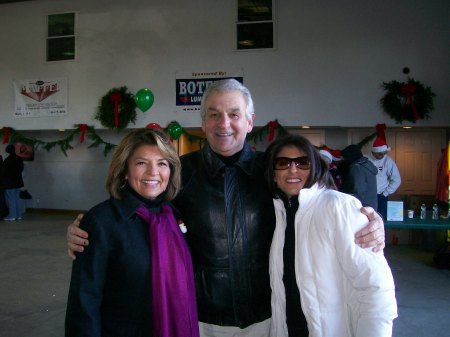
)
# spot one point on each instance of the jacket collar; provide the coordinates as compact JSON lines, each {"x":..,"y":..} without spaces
{"x":307,"y":197}
{"x":127,"y":206}
{"x":214,"y":165}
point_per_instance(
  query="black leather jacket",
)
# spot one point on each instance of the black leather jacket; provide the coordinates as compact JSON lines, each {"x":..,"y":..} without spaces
{"x":230,"y":222}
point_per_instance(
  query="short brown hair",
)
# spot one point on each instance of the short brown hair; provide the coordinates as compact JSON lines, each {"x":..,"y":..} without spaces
{"x":118,"y":167}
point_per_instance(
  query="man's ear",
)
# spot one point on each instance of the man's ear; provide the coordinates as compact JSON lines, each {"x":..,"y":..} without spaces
{"x":203,"y":126}
{"x":250,"y":123}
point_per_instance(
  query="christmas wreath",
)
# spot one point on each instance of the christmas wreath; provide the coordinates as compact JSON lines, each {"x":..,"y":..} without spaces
{"x":116,"y":109}
{"x":407,"y":101}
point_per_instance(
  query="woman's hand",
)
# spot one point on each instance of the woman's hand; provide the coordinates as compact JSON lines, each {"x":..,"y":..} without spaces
{"x":373,"y":234}
{"x":76,"y":238}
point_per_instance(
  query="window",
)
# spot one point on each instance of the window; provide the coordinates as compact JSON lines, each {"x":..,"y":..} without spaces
{"x":254,"y":28}
{"x":61,"y":37}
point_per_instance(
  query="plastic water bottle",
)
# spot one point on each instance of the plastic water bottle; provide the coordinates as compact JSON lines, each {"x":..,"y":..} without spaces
{"x":435,"y":215}
{"x":423,"y":211}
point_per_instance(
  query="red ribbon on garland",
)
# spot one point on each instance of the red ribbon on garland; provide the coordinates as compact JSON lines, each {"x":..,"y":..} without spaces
{"x":5,"y":134}
{"x":83,"y":128}
{"x":408,"y":90}
{"x":116,"y":98}
{"x":272,"y":126}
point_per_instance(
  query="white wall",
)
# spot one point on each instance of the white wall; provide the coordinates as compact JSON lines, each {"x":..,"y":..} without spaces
{"x":330,"y":60}
{"x":73,"y":182}
{"x":327,"y":69}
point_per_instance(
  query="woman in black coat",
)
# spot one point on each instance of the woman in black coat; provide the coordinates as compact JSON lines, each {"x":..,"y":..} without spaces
{"x":135,"y":278}
{"x":12,"y":182}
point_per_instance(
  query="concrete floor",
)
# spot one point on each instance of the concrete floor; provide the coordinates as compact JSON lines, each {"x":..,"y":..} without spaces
{"x":35,"y":273}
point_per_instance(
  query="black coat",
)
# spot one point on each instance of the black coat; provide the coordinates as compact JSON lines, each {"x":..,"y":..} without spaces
{"x":110,"y":288}
{"x":230,"y":222}
{"x":12,"y":169}
{"x":360,"y":180}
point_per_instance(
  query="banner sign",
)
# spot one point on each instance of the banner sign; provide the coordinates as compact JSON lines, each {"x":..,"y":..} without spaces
{"x":40,"y":98}
{"x":190,"y":87}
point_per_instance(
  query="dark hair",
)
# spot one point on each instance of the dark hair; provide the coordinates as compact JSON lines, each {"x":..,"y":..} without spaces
{"x":118,"y":167}
{"x":319,"y":169}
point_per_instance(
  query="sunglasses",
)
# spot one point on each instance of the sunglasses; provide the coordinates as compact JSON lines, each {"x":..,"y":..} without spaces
{"x":283,"y":163}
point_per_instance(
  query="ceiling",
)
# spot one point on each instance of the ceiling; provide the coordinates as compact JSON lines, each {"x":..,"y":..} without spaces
{"x":6,"y":1}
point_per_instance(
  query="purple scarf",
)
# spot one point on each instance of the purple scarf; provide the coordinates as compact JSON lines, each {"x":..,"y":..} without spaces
{"x":174,"y":307}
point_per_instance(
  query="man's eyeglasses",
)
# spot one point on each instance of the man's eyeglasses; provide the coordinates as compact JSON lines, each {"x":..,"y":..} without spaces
{"x":283,"y":163}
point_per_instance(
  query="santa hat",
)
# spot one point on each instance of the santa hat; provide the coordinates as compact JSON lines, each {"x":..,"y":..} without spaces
{"x":337,"y":155}
{"x":326,"y":155}
{"x":380,"y":145}
{"x":330,"y":155}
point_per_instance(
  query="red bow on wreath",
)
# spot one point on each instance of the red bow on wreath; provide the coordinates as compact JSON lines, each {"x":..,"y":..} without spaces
{"x":408,"y":90}
{"x":116,"y":98}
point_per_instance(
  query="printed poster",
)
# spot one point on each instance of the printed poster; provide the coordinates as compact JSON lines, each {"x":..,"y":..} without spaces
{"x":191,"y":85}
{"x":395,"y":210}
{"x":40,"y":97}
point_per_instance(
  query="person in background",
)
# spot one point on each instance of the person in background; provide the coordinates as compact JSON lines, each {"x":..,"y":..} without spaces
{"x":230,"y":218}
{"x":136,"y":276}
{"x":332,"y":167}
{"x":323,"y":284}
{"x":388,"y":177}
{"x":359,"y":177}
{"x":3,"y":207}
{"x":12,"y":182}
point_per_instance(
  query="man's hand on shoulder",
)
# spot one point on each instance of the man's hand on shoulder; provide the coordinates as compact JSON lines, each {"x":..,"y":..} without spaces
{"x":76,"y":237}
{"x":373,"y":234}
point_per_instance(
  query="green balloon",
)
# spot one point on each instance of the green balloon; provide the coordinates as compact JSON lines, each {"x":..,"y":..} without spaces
{"x":175,"y":130}
{"x":144,"y":99}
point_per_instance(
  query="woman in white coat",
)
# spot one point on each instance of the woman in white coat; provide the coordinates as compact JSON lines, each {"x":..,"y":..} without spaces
{"x":323,"y":284}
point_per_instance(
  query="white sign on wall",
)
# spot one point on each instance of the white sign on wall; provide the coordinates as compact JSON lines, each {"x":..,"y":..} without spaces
{"x":40,"y":97}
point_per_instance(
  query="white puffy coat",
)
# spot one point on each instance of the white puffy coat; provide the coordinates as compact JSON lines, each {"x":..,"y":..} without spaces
{"x":345,"y":290}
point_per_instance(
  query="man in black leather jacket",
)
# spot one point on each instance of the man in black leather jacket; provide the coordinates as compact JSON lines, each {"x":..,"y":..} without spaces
{"x":229,"y":217}
{"x":230,"y":226}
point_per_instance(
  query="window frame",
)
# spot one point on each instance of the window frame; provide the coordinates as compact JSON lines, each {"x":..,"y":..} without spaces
{"x":238,"y":23}
{"x":73,"y":36}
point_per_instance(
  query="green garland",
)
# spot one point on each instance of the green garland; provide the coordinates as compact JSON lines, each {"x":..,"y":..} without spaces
{"x":272,"y":128}
{"x":127,"y":109}
{"x":97,"y":141}
{"x":65,"y":143}
{"x":408,"y":101}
